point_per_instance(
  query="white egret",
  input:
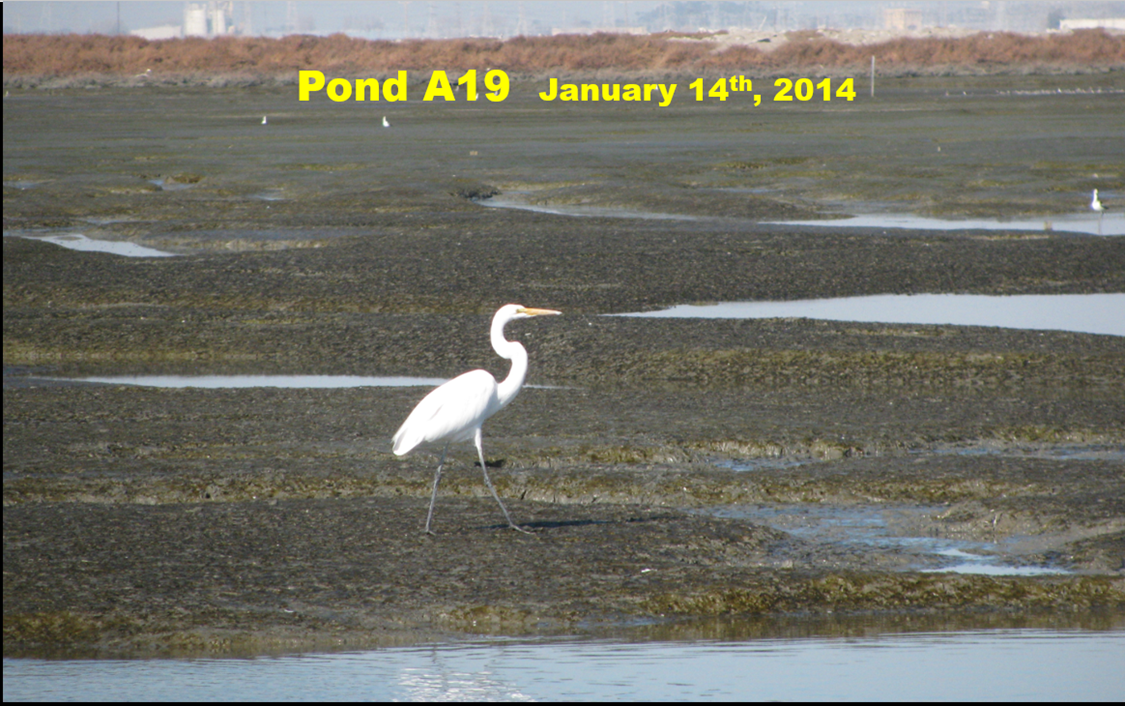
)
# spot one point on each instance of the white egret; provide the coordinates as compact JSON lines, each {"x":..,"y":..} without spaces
{"x":386,"y":123}
{"x":456,"y":410}
{"x":1099,"y":209}
{"x":265,"y":120}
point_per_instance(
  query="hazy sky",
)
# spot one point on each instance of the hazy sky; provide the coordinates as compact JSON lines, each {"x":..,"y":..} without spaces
{"x":392,"y":20}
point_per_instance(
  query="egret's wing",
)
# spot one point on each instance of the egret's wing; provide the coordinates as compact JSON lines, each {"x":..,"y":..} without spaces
{"x":450,"y":412}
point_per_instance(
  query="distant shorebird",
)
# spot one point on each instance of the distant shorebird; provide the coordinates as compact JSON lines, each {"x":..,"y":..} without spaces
{"x":1095,"y":204}
{"x":386,"y":123}
{"x":265,"y":120}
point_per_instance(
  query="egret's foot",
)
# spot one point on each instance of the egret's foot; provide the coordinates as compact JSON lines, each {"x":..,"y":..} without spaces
{"x":517,"y":528}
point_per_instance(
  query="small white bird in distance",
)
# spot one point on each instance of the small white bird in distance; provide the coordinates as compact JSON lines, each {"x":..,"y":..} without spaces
{"x":456,"y":410}
{"x":1095,"y":204}
{"x":265,"y":120}
{"x":386,"y":123}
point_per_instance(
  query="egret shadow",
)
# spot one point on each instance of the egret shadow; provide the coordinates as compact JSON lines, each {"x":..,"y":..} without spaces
{"x":557,"y":524}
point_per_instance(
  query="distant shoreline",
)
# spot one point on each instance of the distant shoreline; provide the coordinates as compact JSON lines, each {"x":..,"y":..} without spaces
{"x":74,"y":61}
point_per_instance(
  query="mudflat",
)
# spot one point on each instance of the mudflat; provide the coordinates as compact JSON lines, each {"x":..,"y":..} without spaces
{"x":648,"y":455}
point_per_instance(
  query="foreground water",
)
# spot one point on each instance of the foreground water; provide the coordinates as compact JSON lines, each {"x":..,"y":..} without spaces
{"x":1019,"y":664}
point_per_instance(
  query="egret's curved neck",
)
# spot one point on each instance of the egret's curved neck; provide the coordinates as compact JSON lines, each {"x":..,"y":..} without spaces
{"x":514,"y":352}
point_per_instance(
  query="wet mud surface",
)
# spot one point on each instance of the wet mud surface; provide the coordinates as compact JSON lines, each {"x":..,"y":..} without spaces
{"x":159,"y":521}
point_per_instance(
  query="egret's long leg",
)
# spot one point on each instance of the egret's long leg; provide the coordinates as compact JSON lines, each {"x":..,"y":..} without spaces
{"x":484,"y":469}
{"x":433,"y":496}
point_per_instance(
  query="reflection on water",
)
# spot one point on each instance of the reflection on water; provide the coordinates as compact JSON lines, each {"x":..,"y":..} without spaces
{"x":1089,"y":223}
{"x":77,"y":241}
{"x":1081,"y":313}
{"x":1016,"y":664}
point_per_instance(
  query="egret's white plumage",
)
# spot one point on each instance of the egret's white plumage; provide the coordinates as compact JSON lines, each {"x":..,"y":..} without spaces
{"x":386,"y":123}
{"x":456,"y":410}
{"x":265,"y":120}
{"x":451,"y":412}
{"x":1095,"y":204}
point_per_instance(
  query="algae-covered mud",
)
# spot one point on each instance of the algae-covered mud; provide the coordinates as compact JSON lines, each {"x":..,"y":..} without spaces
{"x":672,"y":471}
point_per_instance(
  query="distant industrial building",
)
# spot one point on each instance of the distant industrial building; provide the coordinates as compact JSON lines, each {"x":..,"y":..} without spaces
{"x":213,"y":18}
{"x":159,"y":32}
{"x":901,"y":18}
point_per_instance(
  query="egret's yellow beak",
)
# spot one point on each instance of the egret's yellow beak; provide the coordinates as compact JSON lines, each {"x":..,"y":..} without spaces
{"x":537,"y":312}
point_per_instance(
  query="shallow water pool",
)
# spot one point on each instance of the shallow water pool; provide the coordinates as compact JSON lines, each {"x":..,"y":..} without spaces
{"x":241,"y":381}
{"x":215,"y":382}
{"x":1089,"y":223}
{"x":896,"y":531}
{"x":78,"y":241}
{"x":1080,"y":313}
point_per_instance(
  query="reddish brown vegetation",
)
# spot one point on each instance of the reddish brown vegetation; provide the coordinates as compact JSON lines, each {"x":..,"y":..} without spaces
{"x":41,"y":56}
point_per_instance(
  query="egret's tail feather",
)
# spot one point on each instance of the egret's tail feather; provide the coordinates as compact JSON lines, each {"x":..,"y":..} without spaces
{"x":405,"y":442}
